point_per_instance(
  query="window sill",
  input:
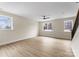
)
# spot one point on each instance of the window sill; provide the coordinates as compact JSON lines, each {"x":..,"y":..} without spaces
{"x":67,"y":31}
{"x":48,"y":30}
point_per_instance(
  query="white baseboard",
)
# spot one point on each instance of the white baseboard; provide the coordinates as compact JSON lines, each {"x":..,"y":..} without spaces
{"x":4,"y":43}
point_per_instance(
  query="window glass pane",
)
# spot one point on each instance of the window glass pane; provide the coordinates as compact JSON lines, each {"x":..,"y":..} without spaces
{"x":68,"y":25}
{"x":45,"y":26}
{"x":49,"y":26}
{"x":5,"y":22}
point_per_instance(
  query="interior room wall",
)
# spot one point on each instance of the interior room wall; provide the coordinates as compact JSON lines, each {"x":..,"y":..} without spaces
{"x":22,"y":29}
{"x":58,"y":28}
{"x":75,"y":43}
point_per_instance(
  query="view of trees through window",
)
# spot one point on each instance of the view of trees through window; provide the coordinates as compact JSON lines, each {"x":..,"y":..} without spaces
{"x":47,"y":26}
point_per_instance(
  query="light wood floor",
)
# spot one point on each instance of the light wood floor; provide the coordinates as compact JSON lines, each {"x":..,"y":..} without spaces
{"x":38,"y":47}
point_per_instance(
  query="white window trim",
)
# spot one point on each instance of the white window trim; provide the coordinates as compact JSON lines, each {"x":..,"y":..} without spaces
{"x":11,"y":22}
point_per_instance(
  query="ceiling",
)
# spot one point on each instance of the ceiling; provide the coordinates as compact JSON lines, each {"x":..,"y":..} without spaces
{"x":34,"y":10}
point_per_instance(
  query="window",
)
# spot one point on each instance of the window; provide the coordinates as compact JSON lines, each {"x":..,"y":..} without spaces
{"x":5,"y":23}
{"x":68,"y":25}
{"x":47,"y":27}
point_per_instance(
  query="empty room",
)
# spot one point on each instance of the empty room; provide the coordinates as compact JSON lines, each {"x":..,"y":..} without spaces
{"x":39,"y":29}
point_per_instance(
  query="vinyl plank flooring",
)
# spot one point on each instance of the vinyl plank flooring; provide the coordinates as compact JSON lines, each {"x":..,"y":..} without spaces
{"x":38,"y":47}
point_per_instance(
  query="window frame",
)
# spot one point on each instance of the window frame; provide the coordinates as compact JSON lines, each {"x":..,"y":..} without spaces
{"x":11,"y":22}
{"x":47,"y":26}
{"x":68,"y":30}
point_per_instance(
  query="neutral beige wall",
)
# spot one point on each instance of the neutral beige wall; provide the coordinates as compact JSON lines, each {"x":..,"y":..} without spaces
{"x":75,"y":43}
{"x":22,"y":29}
{"x":58,"y":26}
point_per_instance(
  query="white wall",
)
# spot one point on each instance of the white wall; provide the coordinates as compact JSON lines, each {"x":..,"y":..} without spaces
{"x":58,"y":26}
{"x":22,"y":29}
{"x":75,"y":43}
